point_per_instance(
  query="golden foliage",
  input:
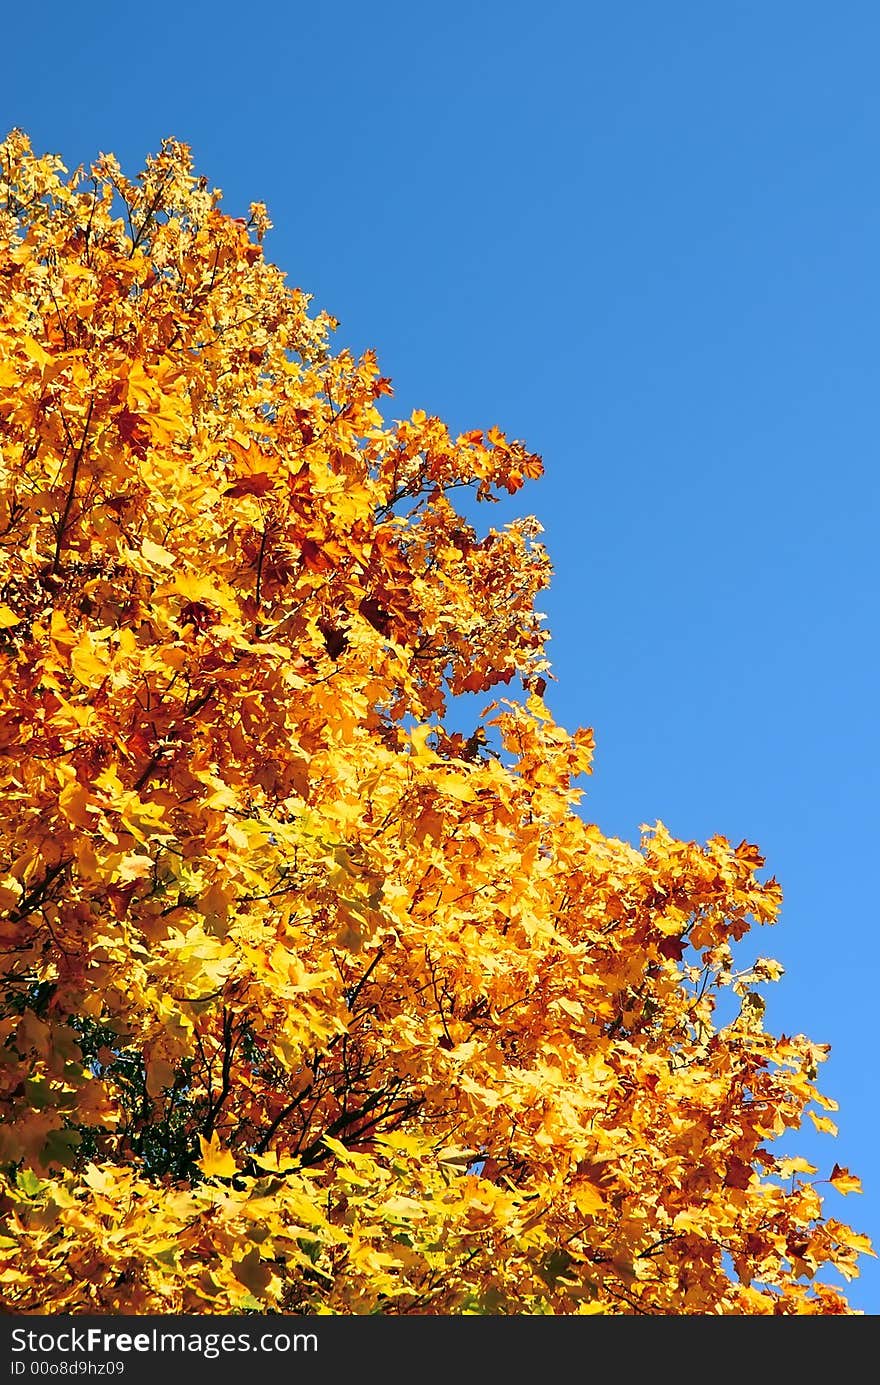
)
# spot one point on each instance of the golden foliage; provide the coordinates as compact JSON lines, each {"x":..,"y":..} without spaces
{"x":310,"y":1002}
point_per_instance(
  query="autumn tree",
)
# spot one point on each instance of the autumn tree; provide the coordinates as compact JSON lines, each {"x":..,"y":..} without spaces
{"x":310,"y":1002}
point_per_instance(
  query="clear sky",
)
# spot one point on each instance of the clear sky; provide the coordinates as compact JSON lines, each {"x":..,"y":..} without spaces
{"x":643,"y":237}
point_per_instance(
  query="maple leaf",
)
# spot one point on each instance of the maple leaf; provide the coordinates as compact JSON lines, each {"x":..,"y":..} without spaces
{"x":823,"y":1123}
{"x":844,"y":1181}
{"x":259,"y":483}
{"x":252,"y":1272}
{"x":132,"y":431}
{"x":215,"y":1162}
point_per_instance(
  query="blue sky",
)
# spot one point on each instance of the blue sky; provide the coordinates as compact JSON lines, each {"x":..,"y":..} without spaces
{"x":643,"y":238}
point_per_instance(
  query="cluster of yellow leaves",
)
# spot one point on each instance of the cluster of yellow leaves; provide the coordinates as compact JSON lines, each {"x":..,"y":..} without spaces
{"x":311,"y":1003}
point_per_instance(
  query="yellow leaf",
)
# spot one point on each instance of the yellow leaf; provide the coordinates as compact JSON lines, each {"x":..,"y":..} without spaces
{"x":823,"y":1123}
{"x":156,"y":554}
{"x":35,"y":351}
{"x":88,"y":667}
{"x":456,"y":786}
{"x":99,"y":1180}
{"x":195,"y":588}
{"x":109,"y":782}
{"x":60,"y":632}
{"x":8,"y":617}
{"x":796,"y":1165}
{"x":164,"y":421}
{"x":844,"y":1181}
{"x":420,"y":750}
{"x":339,"y":1149}
{"x":74,"y":803}
{"x":854,"y":1239}
{"x":690,"y":1221}
{"x":141,"y":389}
{"x":403,"y":1208}
{"x":538,"y":707}
{"x":587,"y":1199}
{"x":215,"y":1162}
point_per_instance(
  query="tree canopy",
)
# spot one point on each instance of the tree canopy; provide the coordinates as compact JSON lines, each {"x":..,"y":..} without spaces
{"x":311,"y":1002}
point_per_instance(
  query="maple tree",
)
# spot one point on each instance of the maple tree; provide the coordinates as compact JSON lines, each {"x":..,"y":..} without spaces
{"x":310,"y":1003}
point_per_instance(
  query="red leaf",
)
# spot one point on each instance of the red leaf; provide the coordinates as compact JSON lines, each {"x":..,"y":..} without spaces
{"x":132,"y":432}
{"x":739,"y":1174}
{"x":314,"y":557}
{"x":375,"y":613}
{"x":257,"y":484}
{"x":672,"y":948}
